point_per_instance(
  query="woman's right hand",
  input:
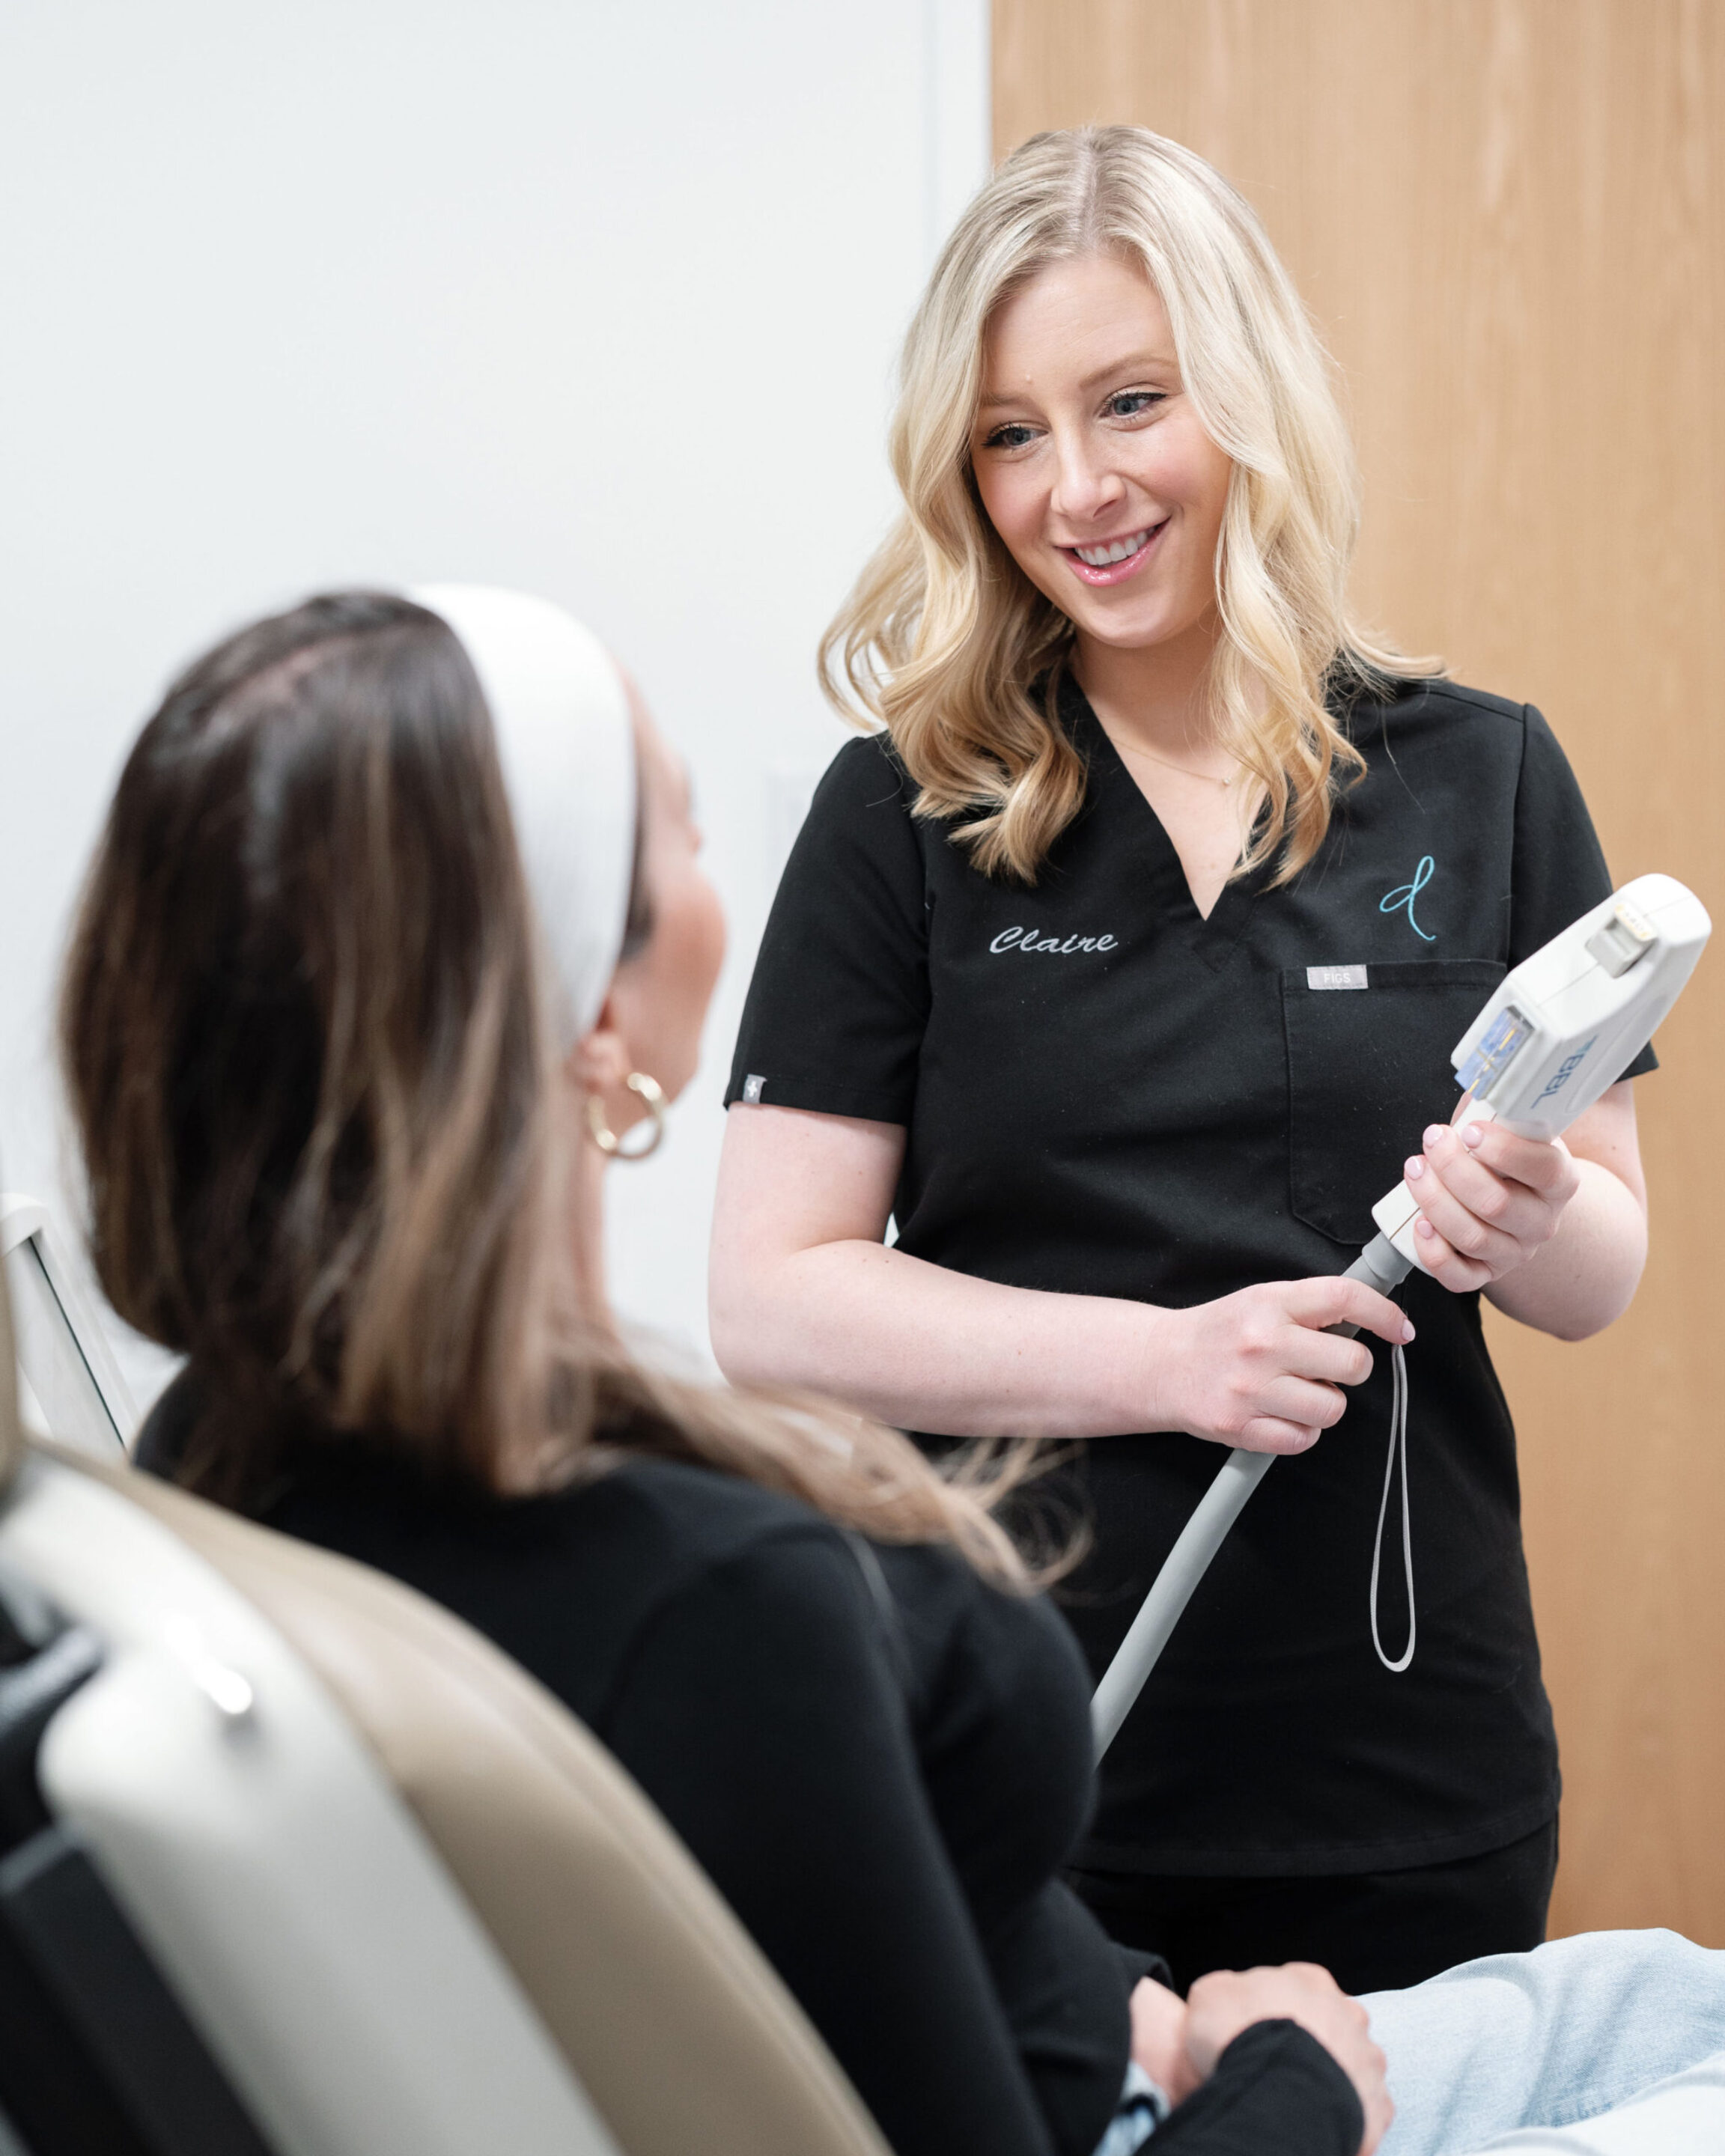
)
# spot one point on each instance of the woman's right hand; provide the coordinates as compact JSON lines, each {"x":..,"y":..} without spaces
{"x":1261,"y":1369}
{"x":1220,"y":2006}
{"x":806,"y":1295}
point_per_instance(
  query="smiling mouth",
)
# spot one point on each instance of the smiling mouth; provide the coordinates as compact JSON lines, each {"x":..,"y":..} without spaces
{"x":1117,"y":550}
{"x":1112,"y":559}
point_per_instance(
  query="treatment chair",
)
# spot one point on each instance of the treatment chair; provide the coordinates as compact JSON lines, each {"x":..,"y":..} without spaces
{"x":293,"y":1863}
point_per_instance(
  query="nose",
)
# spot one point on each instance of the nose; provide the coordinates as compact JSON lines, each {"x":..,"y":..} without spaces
{"x":1086,"y":487}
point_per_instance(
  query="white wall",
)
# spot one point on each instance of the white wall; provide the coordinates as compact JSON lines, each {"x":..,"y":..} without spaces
{"x":600,"y":300}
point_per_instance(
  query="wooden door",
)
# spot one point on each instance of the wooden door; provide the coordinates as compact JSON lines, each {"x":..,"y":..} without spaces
{"x":1508,"y":216}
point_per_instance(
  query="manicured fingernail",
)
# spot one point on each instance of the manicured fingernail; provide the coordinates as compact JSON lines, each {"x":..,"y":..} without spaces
{"x":1424,"y":1227}
{"x":1406,"y":1333}
{"x":1414,"y":1169}
{"x":1434,"y":1132}
{"x":1472,"y":1135}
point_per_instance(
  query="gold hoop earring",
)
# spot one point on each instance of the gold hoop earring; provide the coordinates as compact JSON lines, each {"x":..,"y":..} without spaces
{"x":606,"y":1140}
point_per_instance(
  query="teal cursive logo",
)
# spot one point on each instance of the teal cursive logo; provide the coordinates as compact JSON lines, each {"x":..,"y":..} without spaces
{"x":1401,"y":899}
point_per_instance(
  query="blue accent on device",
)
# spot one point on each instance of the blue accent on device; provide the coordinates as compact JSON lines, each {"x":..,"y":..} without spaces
{"x":1566,"y":1070}
{"x":1503,"y":1037}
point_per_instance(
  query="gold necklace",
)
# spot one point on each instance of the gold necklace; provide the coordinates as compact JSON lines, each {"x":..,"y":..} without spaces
{"x":1131,"y":748}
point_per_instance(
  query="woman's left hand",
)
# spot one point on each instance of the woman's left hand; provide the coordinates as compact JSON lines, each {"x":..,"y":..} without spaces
{"x":1488,"y":1200}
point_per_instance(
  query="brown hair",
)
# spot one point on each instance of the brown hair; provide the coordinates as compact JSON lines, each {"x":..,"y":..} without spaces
{"x":302,"y":1027}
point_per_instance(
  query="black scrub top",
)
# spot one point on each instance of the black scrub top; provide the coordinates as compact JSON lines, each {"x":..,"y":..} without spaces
{"x":1106,"y":1094}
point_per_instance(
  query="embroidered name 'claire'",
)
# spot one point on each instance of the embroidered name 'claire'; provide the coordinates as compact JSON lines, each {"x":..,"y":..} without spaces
{"x":1026,"y":939}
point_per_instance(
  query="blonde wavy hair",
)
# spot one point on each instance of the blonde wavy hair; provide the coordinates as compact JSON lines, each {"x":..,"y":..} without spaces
{"x":945,"y":642}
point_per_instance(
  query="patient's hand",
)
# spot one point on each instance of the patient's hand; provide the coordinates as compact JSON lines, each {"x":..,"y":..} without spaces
{"x":1220,"y":2006}
{"x":1159,"y":2038}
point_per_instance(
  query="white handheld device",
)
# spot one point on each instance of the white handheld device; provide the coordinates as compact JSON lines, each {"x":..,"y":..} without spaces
{"x":1552,"y":1038}
{"x":1563,"y":1025}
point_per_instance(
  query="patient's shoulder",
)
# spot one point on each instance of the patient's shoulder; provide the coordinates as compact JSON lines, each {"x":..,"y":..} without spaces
{"x":702,"y":1520}
{"x":705,"y":1538}
{"x":711,"y":1516}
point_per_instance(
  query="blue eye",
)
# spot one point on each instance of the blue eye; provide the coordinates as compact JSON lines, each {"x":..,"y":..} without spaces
{"x":1133,"y":403}
{"x":1011,"y":436}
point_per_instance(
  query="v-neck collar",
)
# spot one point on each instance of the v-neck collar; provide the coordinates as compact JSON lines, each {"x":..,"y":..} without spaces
{"x":1212,"y":938}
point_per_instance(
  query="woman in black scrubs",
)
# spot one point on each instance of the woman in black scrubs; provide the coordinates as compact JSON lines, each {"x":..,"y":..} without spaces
{"x":1121,"y":971}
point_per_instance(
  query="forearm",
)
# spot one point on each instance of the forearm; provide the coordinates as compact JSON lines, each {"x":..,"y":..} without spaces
{"x":1584,"y":1277}
{"x":804,"y":1294}
{"x":924,"y":1348}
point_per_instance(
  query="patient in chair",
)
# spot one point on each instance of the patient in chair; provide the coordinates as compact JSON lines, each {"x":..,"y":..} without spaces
{"x":396,"y":937}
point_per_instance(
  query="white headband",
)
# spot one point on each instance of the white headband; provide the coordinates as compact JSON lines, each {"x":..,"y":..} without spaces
{"x":565,"y":743}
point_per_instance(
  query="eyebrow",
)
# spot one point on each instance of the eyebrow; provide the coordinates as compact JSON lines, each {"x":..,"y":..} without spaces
{"x":1129,"y":365}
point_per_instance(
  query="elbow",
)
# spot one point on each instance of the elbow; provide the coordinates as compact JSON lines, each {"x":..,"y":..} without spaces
{"x":1572,"y":1331}
{"x":729,"y":1331}
{"x":732,"y":1353}
{"x":1587,"y":1321}
{"x":739,"y":1328}
{"x":1588,"y":1324}
{"x":1576,"y":1300}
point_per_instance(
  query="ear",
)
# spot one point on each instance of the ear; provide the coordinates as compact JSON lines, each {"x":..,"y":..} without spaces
{"x":599,"y":1061}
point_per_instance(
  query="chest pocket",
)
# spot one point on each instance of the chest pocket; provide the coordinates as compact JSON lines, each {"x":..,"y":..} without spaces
{"x":1367,"y":1070}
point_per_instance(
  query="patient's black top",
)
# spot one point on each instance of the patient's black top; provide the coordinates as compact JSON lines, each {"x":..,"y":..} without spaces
{"x":880,"y":1761}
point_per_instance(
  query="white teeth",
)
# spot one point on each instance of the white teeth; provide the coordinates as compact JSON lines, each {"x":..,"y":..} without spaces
{"x":1101,"y":557}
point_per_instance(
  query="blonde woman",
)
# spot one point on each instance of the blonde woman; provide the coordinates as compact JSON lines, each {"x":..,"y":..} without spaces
{"x":1120,"y":968}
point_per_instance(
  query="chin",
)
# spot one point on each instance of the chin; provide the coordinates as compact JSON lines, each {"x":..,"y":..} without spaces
{"x":1133,"y":633}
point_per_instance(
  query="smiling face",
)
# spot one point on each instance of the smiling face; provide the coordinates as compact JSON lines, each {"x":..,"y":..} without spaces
{"x":1092,"y":464}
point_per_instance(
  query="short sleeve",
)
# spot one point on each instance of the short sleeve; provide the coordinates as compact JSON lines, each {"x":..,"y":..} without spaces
{"x":838,"y":1003}
{"x":1559,"y":867}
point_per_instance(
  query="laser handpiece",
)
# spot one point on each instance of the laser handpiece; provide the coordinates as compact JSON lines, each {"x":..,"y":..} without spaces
{"x":1555,"y":1036}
